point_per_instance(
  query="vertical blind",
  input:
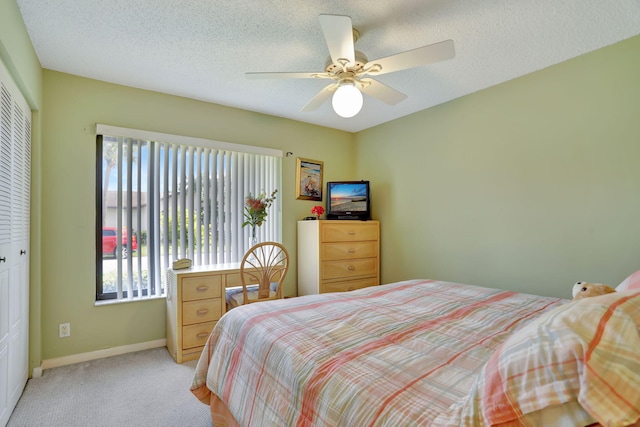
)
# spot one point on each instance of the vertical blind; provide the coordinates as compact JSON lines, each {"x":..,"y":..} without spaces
{"x":182,"y":198}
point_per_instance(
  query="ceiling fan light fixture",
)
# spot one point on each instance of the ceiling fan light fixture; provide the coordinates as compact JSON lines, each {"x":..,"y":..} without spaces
{"x":347,"y":100}
{"x":348,"y":68}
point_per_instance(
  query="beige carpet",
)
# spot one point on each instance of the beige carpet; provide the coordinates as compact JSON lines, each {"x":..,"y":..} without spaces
{"x":145,"y":388}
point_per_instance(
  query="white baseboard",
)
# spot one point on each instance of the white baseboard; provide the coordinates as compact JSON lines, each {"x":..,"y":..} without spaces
{"x":37,"y":372}
{"x":98,"y":354}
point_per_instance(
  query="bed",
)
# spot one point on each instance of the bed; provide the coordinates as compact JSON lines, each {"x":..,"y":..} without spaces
{"x":425,"y":353}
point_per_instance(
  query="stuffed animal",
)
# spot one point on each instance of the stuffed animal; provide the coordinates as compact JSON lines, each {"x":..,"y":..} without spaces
{"x":586,"y":289}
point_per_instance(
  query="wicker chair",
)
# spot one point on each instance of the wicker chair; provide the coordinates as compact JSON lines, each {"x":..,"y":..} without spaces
{"x":262,"y":270}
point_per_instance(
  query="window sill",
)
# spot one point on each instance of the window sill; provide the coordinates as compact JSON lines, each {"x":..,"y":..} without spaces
{"x":106,"y":302}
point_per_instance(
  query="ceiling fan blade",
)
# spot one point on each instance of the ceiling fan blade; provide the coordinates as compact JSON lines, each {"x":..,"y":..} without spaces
{"x":338,"y":33}
{"x":320,"y":98}
{"x":286,"y":75}
{"x":381,"y":91}
{"x":412,"y":58}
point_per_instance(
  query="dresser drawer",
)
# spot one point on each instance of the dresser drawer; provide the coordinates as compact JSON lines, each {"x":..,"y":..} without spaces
{"x":350,"y":285}
{"x":196,"y":335}
{"x":350,"y":268}
{"x":201,"y":287}
{"x":343,"y":232}
{"x":349,"y":250}
{"x":337,"y":255}
{"x":199,"y":311}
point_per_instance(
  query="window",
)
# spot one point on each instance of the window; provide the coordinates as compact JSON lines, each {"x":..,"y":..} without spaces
{"x":162,"y":197}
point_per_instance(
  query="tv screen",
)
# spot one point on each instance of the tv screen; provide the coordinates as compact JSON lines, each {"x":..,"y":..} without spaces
{"x":348,"y":200}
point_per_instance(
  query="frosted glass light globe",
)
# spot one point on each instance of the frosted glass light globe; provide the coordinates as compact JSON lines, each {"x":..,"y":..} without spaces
{"x":347,"y":101}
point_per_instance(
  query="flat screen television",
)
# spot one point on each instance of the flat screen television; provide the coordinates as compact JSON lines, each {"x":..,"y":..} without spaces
{"x":348,"y":200}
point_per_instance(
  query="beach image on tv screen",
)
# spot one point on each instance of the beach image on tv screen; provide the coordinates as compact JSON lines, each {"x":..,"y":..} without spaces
{"x":349,"y":198}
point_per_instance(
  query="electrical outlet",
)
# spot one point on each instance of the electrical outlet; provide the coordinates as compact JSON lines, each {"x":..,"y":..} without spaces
{"x":65,"y":330}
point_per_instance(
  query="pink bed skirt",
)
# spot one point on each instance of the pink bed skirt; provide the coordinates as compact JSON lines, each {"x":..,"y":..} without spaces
{"x":220,"y":415}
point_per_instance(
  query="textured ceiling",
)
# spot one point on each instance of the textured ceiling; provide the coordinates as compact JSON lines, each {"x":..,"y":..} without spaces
{"x":201,"y":48}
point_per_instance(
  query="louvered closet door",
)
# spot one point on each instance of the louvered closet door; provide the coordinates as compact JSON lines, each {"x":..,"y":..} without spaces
{"x":5,"y":243}
{"x":15,"y":172}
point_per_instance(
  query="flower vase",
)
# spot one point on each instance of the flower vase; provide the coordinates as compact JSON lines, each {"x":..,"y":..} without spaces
{"x":253,"y":238}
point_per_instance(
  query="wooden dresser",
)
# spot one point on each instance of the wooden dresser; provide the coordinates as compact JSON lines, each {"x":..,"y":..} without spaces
{"x":195,"y":302}
{"x":337,"y":255}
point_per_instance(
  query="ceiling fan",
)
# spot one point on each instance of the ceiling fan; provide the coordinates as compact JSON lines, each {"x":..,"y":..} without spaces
{"x":349,"y":68}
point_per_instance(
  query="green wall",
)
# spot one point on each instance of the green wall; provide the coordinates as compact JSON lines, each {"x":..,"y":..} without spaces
{"x":18,"y":54}
{"x":73,"y":105}
{"x":531,"y":185}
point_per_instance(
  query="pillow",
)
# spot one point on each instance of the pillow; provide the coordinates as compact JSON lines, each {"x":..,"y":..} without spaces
{"x":631,"y":282}
{"x":584,"y":352}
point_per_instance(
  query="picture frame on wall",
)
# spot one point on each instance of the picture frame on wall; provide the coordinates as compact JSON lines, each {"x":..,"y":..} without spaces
{"x":309,"y":179}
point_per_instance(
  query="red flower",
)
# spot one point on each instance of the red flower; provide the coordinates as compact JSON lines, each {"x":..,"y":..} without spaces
{"x":255,"y":210}
{"x":317,"y":210}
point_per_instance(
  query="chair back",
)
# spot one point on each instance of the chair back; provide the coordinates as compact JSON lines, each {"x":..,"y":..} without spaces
{"x":265,"y":265}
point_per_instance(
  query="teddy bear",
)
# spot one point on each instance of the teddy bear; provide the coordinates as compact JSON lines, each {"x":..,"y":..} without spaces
{"x":586,"y":289}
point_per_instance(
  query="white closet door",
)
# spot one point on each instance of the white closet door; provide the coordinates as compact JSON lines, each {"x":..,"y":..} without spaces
{"x":5,"y":409}
{"x":15,"y":173}
{"x":6,"y":121}
{"x":19,"y":263}
{"x":5,"y":242}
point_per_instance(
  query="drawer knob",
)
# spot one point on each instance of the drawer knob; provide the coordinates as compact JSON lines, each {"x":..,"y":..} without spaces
{"x":351,"y":232}
{"x":351,"y":268}
{"x":202,"y":335}
{"x":351,"y":251}
{"x":202,"y":311}
{"x":202,"y":288}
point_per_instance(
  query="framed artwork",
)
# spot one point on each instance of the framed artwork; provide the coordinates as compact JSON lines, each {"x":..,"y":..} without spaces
{"x":309,"y":179}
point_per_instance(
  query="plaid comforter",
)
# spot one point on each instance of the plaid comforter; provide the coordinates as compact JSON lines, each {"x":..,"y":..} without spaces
{"x":392,"y":355}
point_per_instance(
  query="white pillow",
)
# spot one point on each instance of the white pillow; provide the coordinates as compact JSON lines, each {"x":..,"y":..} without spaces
{"x":583,"y":352}
{"x":631,"y":282}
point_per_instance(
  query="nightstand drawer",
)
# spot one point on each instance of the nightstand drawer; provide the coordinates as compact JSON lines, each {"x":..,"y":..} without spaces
{"x":195,"y":302}
{"x":201,"y":287}
{"x":342,"y":232}
{"x":349,"y":250}
{"x":196,"y":335}
{"x":351,"y":268}
{"x":350,"y":285}
{"x":201,"y":311}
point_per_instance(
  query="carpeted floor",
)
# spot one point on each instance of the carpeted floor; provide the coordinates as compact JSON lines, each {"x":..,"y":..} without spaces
{"x":145,"y":388}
